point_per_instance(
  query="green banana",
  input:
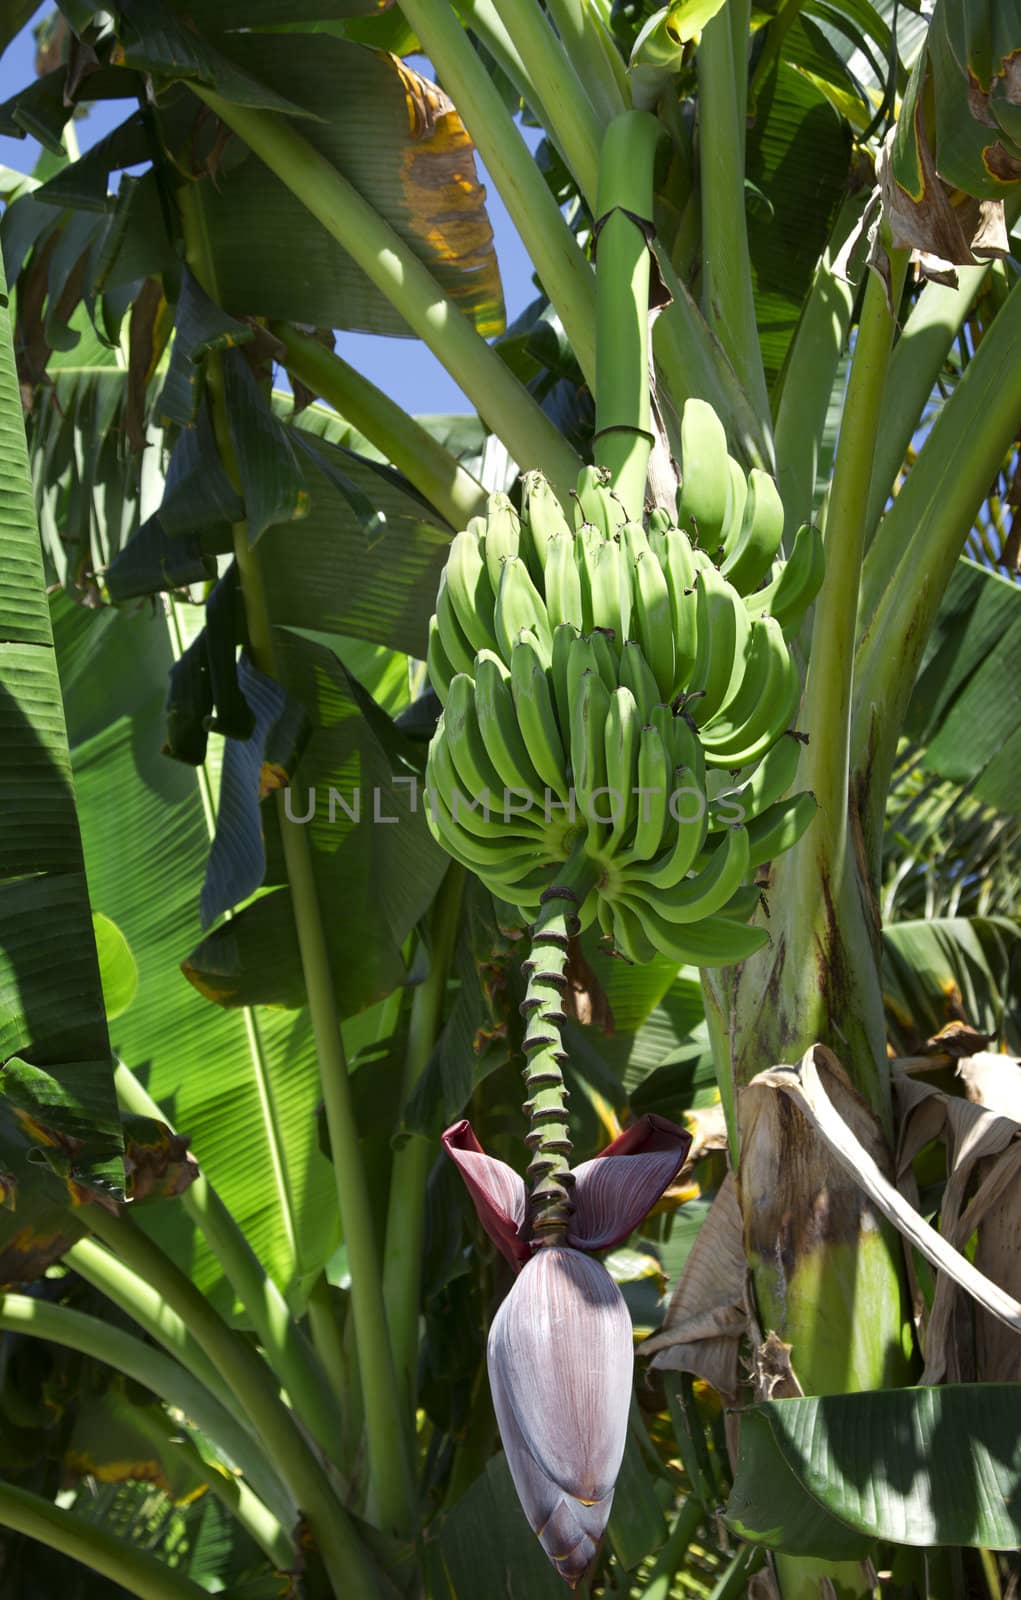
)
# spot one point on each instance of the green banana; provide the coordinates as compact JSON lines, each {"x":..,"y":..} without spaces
{"x":589,"y":712}
{"x":470,"y":755}
{"x":587,"y":543}
{"x":674,"y":864}
{"x":743,"y":903}
{"x":780,"y":827}
{"x":520,"y":607}
{"x":455,"y":646}
{"x":582,"y":658}
{"x":703,"y":499}
{"x":629,"y":936}
{"x":714,"y":942}
{"x":653,"y":619}
{"x":660,"y":519}
{"x":634,"y":540}
{"x":471,"y":593}
{"x":611,"y":589}
{"x":636,"y":675}
{"x":533,"y":704}
{"x":769,"y":781}
{"x":796,"y":585}
{"x":437,"y":662}
{"x":469,"y":812}
{"x":604,"y":655}
{"x":693,"y":899}
{"x":544,"y":515}
{"x":679,"y":570}
{"x":723,"y":628}
{"x":735,"y":512}
{"x":498,"y":724}
{"x":562,"y":582}
{"x":654,"y":780}
{"x":565,"y":639}
{"x":763,"y":708}
{"x":683,"y":744}
{"x":622,"y":736}
{"x":597,"y":504}
{"x":492,"y":860}
{"x":760,"y":535}
{"x":503,"y":536}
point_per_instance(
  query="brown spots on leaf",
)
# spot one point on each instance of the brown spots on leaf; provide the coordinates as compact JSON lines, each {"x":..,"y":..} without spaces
{"x":82,"y":1463}
{"x":444,"y":198}
{"x":157,"y":1161}
{"x":28,"y":1252}
{"x":273,"y":776}
{"x":1001,"y":164}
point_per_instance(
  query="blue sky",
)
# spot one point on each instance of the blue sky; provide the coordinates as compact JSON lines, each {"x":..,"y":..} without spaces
{"x":404,"y":368}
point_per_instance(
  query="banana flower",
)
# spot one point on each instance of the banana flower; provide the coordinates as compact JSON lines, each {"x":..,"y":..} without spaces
{"x":561,"y":1351}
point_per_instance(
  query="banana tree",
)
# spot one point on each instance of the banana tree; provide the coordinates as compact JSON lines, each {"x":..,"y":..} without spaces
{"x":626,"y":693}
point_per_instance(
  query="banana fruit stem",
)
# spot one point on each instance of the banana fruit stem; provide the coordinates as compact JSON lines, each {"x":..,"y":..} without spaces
{"x":546,"y":1108}
{"x":624,"y":214}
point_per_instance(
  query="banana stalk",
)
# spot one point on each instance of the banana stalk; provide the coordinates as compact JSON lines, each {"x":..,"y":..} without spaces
{"x":549,"y":1136}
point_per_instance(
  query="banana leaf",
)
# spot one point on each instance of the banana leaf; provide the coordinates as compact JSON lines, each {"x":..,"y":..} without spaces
{"x":828,"y":1477}
{"x":59,"y":1095}
{"x":243,"y":1086}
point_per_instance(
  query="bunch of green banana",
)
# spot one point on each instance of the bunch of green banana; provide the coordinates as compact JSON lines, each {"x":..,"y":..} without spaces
{"x":599,"y":677}
{"x":572,"y":748}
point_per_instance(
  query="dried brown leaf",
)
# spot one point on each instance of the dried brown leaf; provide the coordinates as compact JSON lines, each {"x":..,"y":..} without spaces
{"x":708,"y":1312}
{"x":775,"y":1378}
{"x":956,"y":1039}
{"x":943,"y":228}
{"x":585,"y":998}
{"x":983,"y":1196}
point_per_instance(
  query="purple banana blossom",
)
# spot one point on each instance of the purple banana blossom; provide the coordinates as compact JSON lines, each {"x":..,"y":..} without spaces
{"x":561,"y":1350}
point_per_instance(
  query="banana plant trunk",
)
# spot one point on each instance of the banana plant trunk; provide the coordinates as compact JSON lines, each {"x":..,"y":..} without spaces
{"x":827,"y":1273}
{"x":826,"y":1270}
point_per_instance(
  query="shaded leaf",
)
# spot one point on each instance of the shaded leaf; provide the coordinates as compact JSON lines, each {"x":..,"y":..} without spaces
{"x":154,"y":41}
{"x":964,"y":708}
{"x":393,"y":135}
{"x":485,"y":1547}
{"x":237,"y":857}
{"x":199,"y":495}
{"x":828,"y":1476}
{"x":151,"y":562}
{"x":322,"y":574}
{"x":82,"y":184}
{"x":51,"y":998}
{"x":272,"y":482}
{"x":799,"y":156}
{"x":199,"y":326}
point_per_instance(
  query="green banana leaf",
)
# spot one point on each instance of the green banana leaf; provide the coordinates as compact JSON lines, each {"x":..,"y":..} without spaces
{"x":243,"y":1086}
{"x":51,"y":999}
{"x":797,"y":162}
{"x":484,"y":1546}
{"x":828,"y":1476}
{"x":956,"y":969}
{"x":964,"y":709}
